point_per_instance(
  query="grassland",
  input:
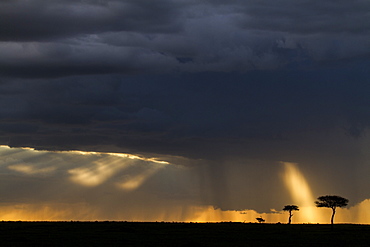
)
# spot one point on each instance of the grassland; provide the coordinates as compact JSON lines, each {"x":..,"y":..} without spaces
{"x":180,"y":234}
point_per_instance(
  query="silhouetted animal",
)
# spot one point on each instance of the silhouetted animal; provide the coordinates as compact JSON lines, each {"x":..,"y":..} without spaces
{"x":260,"y":220}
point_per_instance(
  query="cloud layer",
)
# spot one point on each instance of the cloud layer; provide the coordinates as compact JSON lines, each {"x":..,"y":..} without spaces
{"x":61,"y":38}
{"x":229,"y":87}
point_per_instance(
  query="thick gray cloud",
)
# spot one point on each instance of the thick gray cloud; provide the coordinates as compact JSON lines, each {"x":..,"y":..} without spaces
{"x":170,"y":114}
{"x":307,"y":17}
{"x":61,"y":38}
{"x":40,"y":20}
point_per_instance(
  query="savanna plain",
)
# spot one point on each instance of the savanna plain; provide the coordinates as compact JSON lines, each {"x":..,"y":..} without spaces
{"x":180,"y":234}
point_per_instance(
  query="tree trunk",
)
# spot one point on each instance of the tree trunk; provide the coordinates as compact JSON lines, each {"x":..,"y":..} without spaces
{"x":290,"y":217}
{"x":332,"y":216}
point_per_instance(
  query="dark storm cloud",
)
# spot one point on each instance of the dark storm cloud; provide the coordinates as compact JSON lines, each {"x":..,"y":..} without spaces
{"x":171,"y":114}
{"x":61,"y":38}
{"x":307,"y":17}
{"x":223,"y":123}
{"x":224,"y":82}
{"x":39,"y":20}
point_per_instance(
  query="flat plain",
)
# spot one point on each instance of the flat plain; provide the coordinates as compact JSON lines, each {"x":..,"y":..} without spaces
{"x":180,"y":234}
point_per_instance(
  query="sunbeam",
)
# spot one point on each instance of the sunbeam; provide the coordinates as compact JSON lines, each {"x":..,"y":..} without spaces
{"x":299,"y":190}
{"x":135,"y":182}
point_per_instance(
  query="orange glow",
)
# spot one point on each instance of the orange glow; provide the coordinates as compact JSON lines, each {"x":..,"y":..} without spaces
{"x":180,"y":213}
{"x":63,"y":198}
{"x":47,"y":212}
{"x":362,"y":212}
{"x":299,"y":190}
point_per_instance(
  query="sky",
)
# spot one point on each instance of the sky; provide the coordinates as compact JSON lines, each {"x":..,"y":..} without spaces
{"x":182,"y":110}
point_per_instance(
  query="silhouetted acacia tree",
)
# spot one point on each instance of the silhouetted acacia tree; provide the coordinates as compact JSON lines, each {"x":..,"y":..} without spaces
{"x":331,"y":202}
{"x":290,"y":208}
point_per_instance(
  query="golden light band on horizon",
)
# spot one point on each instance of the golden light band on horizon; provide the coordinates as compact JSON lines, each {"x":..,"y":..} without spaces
{"x":116,"y":177}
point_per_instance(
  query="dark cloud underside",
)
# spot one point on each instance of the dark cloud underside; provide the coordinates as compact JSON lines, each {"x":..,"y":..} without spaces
{"x":163,"y":113}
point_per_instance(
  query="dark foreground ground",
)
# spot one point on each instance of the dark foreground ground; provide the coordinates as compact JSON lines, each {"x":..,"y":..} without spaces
{"x":179,"y":234}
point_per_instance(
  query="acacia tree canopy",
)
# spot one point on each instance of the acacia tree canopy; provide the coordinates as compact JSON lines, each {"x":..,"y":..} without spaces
{"x":331,"y":201}
{"x":291,"y":208}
